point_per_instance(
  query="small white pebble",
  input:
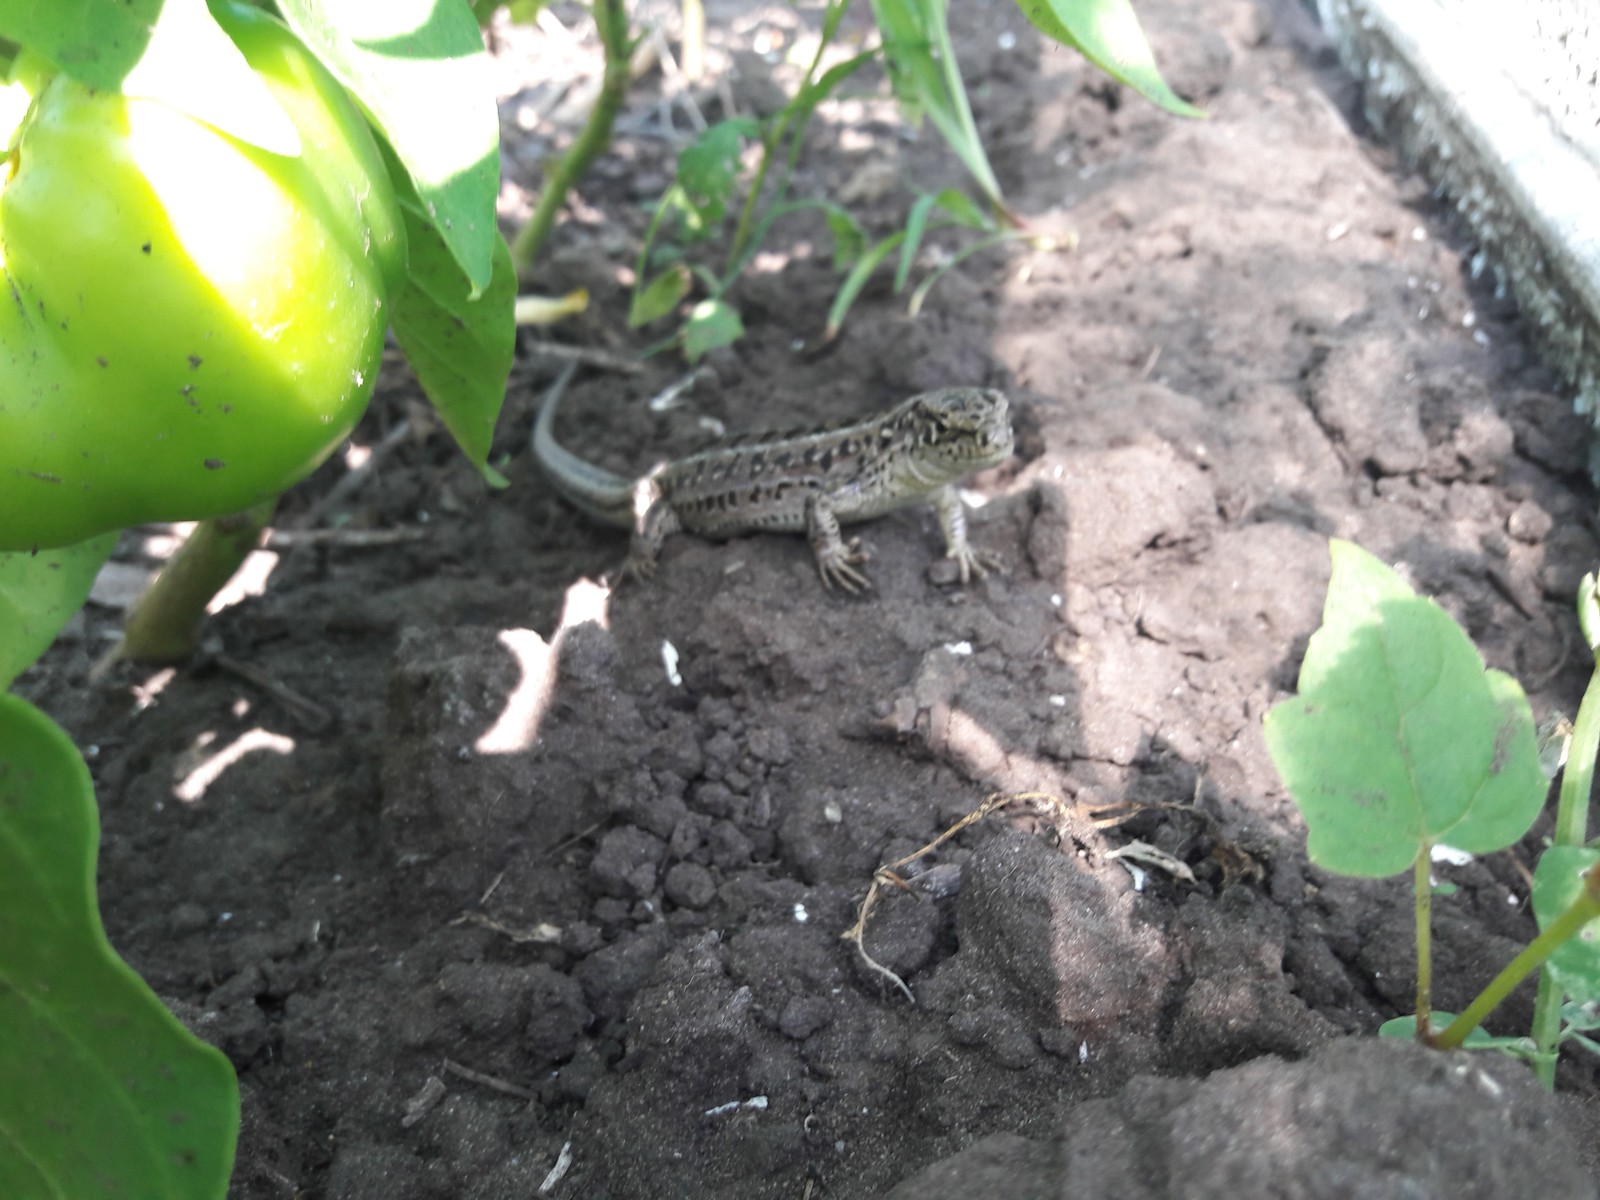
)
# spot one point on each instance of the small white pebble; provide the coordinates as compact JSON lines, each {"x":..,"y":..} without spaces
{"x":1083,"y":1052}
{"x":801,"y":916}
{"x":1058,"y":700}
{"x":832,"y":813}
{"x":1418,"y":234}
{"x":1338,"y":230}
{"x":959,"y":649}
{"x":563,"y":1162}
{"x":1007,"y":40}
{"x":669,"y":660}
{"x":1449,"y":854}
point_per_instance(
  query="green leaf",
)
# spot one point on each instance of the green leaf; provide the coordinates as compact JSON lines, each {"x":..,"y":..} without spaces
{"x":1405,"y":1029}
{"x":423,"y":76}
{"x":1557,"y":882}
{"x":38,"y":594}
{"x":460,"y":347}
{"x":102,"y":1091}
{"x":711,"y":325}
{"x":173,"y":52}
{"x":855,"y":281}
{"x":526,"y":12}
{"x":97,"y":42}
{"x":916,"y":226}
{"x":819,"y":89}
{"x":923,"y":71}
{"x":1399,"y":738}
{"x":708,"y":167}
{"x":660,"y":296}
{"x":1107,"y":33}
{"x":957,"y":204}
{"x":849,"y":239}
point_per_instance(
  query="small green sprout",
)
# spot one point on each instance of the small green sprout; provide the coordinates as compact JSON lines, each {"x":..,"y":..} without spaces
{"x":1401,"y":740}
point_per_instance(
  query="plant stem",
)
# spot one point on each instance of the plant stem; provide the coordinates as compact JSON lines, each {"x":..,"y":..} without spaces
{"x":1572,"y":809}
{"x":973,"y":156}
{"x":611,"y":21}
{"x":773,"y":138}
{"x":1572,"y":829}
{"x":1422,"y":888}
{"x":1582,"y":910}
{"x":164,"y":624}
{"x":692,"y":55}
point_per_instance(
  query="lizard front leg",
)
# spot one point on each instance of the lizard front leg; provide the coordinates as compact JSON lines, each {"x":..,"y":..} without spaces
{"x":953,"y":524}
{"x":836,"y":559}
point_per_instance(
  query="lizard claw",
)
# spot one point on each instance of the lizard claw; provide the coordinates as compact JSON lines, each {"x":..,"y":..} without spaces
{"x":975,"y":563}
{"x":637,"y":569}
{"x":837,"y":565}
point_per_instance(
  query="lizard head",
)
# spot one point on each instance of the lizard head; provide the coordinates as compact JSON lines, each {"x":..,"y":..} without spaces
{"x":961,"y":430}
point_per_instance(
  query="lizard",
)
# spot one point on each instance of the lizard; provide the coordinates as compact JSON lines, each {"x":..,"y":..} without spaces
{"x":806,"y":481}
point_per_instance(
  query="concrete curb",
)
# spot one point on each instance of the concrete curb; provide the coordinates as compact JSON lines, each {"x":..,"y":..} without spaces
{"x":1458,"y":93}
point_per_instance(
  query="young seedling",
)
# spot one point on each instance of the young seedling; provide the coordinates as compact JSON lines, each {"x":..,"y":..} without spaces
{"x":1399,"y":741}
{"x":1573,"y":971}
{"x":919,"y":55}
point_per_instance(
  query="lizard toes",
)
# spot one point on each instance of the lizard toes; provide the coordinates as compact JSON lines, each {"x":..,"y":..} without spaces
{"x":842,"y":573}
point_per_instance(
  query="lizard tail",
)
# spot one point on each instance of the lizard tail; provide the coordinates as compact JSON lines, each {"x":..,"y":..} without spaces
{"x":604,"y":496}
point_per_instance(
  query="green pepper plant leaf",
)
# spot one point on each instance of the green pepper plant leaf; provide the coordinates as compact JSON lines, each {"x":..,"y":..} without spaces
{"x":420,"y":81}
{"x":105,"y":1093}
{"x":459,"y":345}
{"x":38,"y":595}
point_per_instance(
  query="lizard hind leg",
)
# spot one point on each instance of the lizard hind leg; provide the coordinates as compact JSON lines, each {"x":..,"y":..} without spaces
{"x":656,"y":522}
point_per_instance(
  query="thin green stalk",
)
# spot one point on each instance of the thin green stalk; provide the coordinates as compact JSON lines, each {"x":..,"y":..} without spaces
{"x":1572,"y":829}
{"x":1572,"y":809}
{"x":611,"y":21}
{"x":977,"y":160}
{"x":1422,"y":888}
{"x":774,"y":136}
{"x":1582,"y":910}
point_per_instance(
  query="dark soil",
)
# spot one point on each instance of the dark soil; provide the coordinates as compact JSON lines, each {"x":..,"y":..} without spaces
{"x":503,"y":888}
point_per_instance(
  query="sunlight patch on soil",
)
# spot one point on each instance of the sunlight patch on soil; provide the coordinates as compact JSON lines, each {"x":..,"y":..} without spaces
{"x":517,"y":727}
{"x":194,"y":785}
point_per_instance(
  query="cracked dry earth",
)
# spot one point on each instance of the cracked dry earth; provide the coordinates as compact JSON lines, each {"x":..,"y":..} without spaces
{"x":503,"y":893}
